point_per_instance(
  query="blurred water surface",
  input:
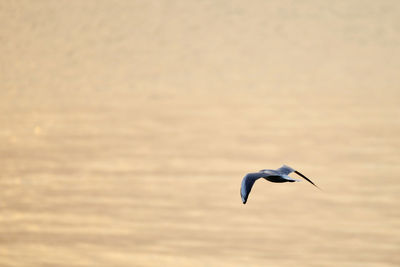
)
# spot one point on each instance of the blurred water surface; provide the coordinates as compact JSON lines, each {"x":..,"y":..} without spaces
{"x":127,"y":126}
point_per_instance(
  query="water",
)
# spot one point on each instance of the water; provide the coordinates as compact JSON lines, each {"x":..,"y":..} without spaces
{"x":125,"y":138}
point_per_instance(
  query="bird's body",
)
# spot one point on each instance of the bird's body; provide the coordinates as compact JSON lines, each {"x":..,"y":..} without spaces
{"x":280,"y":175}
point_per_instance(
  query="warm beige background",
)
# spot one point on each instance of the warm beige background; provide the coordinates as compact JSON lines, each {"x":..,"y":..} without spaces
{"x":127,"y":126}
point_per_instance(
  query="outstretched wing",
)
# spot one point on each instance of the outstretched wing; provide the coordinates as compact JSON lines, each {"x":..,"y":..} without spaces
{"x":307,"y":179}
{"x":247,"y":184}
{"x":285,"y":170}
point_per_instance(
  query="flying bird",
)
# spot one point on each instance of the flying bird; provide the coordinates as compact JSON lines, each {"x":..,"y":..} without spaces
{"x":280,"y":175}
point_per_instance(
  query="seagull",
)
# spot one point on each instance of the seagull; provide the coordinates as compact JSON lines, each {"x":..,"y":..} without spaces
{"x":276,"y":176}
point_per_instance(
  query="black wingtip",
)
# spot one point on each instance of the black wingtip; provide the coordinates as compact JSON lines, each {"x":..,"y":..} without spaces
{"x":307,"y":179}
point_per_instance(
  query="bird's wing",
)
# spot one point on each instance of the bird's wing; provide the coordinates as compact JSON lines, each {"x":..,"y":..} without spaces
{"x":285,"y":170}
{"x":307,"y":179}
{"x":247,"y":184}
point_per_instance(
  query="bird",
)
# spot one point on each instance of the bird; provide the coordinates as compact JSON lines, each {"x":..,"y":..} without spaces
{"x":280,"y":175}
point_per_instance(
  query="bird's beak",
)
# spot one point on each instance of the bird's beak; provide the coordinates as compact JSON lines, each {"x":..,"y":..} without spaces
{"x":306,"y":178}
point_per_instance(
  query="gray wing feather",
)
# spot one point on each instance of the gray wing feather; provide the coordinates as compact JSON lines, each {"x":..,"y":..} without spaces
{"x":247,"y":184}
{"x":285,"y":170}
